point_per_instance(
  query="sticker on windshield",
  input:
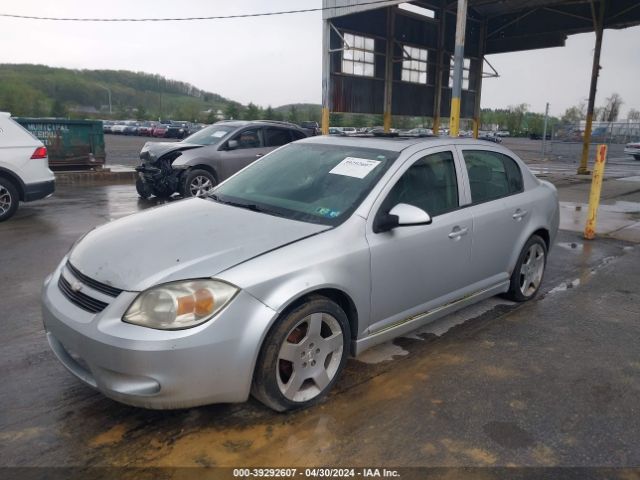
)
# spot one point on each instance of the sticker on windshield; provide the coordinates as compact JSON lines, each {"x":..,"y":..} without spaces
{"x":219,"y":133}
{"x":327,"y":212}
{"x":355,"y":167}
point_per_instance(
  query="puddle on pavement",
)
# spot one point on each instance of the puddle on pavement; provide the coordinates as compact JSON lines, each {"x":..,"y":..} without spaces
{"x":611,"y":216}
{"x":386,"y":352}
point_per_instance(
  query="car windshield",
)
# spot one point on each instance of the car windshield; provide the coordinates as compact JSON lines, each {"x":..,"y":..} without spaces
{"x":210,"y":135}
{"x":308,"y":182}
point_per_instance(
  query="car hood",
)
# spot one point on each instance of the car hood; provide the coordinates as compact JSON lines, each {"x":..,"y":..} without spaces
{"x":194,"y":238}
{"x":151,"y":151}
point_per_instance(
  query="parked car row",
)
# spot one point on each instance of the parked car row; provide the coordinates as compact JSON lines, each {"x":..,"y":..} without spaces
{"x":169,"y":129}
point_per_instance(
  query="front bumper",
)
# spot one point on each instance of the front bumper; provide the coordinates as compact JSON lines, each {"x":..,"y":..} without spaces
{"x":210,"y":363}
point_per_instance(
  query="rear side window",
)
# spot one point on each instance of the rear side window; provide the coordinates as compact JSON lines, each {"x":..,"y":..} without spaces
{"x":298,"y":135}
{"x":492,"y":175}
{"x":275,"y":137}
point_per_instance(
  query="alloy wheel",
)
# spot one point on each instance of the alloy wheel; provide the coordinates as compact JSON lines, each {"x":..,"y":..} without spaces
{"x":200,"y":186}
{"x":309,"y":357}
{"x":5,"y":200}
{"x":531,"y":270}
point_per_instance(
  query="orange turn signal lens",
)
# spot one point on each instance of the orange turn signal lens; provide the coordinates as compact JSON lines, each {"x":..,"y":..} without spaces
{"x":204,"y":302}
{"x":201,"y":303}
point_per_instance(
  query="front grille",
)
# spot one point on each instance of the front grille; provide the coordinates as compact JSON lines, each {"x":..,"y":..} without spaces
{"x":80,"y":299}
{"x":90,"y":282}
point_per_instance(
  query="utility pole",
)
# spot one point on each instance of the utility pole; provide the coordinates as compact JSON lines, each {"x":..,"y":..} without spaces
{"x":544,"y":131}
{"x":458,"y":68}
{"x":598,"y":22}
{"x":326,"y":74}
{"x":388,"y":70}
{"x":109,"y":92}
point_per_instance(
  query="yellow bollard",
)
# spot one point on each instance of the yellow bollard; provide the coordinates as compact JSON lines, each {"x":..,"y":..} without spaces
{"x":596,"y":189}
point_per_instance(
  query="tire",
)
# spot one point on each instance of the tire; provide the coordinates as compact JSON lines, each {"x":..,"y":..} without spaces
{"x":9,"y":199}
{"x":296,"y":368}
{"x":197,"y":183}
{"x":529,"y":270}
{"x":143,"y":189}
{"x":636,"y":157}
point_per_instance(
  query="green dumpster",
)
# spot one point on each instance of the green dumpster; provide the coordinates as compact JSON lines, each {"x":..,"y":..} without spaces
{"x":70,"y":143}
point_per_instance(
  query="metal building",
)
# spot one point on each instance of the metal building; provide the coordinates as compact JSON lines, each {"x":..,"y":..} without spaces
{"x":381,"y":58}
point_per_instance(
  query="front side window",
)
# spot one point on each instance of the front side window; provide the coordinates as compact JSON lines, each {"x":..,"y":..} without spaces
{"x":429,"y":184}
{"x":249,"y":138}
{"x":492,"y":175}
{"x":414,"y":65}
{"x":358,"y":55}
{"x":308,"y":182}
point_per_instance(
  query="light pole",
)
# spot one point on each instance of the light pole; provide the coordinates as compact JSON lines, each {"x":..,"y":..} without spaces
{"x":109,"y":92}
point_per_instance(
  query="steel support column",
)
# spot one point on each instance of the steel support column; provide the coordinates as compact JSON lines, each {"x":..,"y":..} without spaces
{"x":388,"y":70}
{"x":595,"y":71}
{"x":326,"y":74}
{"x":477,"y":111}
{"x":458,"y":68}
{"x":437,"y":103}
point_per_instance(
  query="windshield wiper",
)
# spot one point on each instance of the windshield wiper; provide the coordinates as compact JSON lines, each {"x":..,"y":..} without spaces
{"x":249,"y":206}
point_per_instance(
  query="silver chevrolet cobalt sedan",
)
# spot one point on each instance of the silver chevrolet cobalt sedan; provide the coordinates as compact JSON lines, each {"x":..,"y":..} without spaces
{"x":320,"y":250}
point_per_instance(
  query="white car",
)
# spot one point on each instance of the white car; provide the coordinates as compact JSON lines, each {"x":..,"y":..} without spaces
{"x":24,"y":167}
{"x":633,"y":149}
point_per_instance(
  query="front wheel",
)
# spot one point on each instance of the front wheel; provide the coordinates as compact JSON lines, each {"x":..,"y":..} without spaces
{"x":198,"y":183}
{"x":9,"y":199}
{"x":302,"y":356}
{"x":636,"y":157}
{"x":527,"y":275}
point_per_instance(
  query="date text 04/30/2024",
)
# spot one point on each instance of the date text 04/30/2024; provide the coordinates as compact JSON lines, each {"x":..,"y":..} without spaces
{"x":316,"y":472}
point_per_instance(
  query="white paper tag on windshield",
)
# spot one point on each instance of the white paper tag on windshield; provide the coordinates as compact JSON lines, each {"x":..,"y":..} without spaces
{"x":355,"y":167}
{"x":219,"y":133}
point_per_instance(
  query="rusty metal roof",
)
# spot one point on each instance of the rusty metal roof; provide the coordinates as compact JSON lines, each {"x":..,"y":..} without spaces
{"x":514,"y":25}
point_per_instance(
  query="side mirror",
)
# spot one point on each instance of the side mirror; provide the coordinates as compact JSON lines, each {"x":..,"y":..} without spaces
{"x":232,"y":144}
{"x":402,"y":215}
{"x":409,"y":215}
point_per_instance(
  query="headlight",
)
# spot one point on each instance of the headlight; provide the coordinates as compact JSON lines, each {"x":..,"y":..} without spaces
{"x":179,"y":305}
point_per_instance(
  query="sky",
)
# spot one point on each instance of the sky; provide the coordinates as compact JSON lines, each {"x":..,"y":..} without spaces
{"x":277,"y":60}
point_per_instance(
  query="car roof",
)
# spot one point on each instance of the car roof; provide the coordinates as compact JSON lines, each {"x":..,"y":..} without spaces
{"x":273,"y":123}
{"x":394,"y":144}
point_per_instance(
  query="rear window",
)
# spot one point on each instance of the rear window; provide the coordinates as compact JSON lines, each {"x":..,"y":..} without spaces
{"x":12,"y":134}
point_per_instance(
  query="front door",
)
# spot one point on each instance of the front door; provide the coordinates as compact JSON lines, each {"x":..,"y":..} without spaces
{"x":249,"y":148}
{"x":416,"y":268}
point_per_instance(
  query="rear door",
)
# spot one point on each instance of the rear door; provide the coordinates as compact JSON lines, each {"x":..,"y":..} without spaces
{"x":501,"y":210}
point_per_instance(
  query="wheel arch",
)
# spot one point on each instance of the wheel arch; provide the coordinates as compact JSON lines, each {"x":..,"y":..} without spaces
{"x":336,"y":295}
{"x":208,"y":168}
{"x":15,"y":180}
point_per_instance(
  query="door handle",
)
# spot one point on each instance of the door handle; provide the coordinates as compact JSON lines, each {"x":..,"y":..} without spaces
{"x":519,"y":214}
{"x":258,"y":155}
{"x":458,"y":232}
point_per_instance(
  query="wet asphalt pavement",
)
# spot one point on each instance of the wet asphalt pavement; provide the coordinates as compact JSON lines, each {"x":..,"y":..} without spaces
{"x":552,"y":382}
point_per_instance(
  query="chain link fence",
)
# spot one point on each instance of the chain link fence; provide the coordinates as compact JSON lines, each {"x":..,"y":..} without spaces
{"x":566,"y":139}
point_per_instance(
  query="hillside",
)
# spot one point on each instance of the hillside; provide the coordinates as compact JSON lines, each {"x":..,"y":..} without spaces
{"x":38,"y":90}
